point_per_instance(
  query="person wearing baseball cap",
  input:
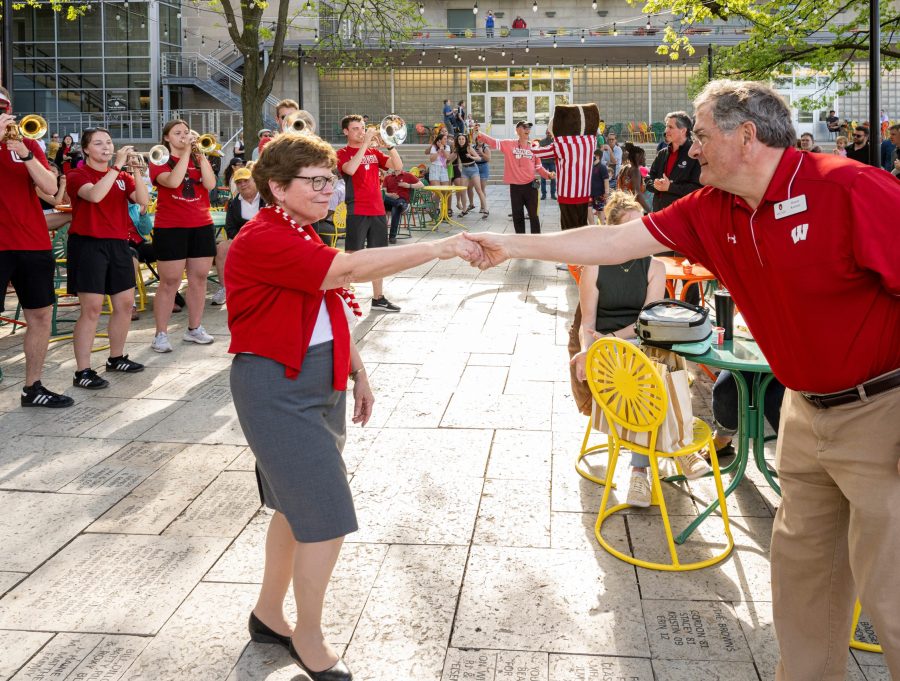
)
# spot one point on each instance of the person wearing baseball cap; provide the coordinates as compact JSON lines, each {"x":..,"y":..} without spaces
{"x":520,"y":165}
{"x":244,"y":205}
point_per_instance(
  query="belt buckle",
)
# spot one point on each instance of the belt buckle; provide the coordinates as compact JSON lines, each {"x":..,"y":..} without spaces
{"x":815,"y":400}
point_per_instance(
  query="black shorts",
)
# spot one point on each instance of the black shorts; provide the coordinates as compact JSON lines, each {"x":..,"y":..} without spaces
{"x":144,"y":252}
{"x":366,"y":231}
{"x":98,"y":266}
{"x":31,"y":274}
{"x":181,"y":243}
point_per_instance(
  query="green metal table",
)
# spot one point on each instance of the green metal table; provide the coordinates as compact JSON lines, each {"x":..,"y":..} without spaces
{"x":740,"y":355}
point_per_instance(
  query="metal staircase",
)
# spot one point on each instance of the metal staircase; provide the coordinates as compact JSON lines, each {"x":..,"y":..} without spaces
{"x":212,"y":77}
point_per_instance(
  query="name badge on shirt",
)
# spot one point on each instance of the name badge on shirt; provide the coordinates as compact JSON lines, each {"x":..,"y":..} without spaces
{"x":790,"y":207}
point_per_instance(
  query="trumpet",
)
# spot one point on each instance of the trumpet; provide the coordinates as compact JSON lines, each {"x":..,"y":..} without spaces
{"x":159,"y":155}
{"x":135,"y":161}
{"x":206,"y":144}
{"x":391,"y":132}
{"x":300,"y":122}
{"x":32,"y":127}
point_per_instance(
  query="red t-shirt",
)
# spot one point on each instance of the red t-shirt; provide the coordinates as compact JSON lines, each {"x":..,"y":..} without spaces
{"x":273,"y":275}
{"x":392,"y":184}
{"x":364,"y":186}
{"x":819,"y":287}
{"x":107,"y":219}
{"x":185,"y":206}
{"x":22,"y":223}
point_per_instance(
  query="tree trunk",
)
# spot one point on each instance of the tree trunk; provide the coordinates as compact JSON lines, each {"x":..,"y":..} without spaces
{"x":253,"y":100}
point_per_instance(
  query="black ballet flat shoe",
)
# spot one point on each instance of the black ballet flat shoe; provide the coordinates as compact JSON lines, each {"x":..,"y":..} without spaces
{"x":338,"y":672}
{"x":260,"y":633}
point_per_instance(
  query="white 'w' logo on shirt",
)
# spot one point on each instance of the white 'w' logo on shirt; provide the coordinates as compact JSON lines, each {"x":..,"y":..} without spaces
{"x":799,"y":232}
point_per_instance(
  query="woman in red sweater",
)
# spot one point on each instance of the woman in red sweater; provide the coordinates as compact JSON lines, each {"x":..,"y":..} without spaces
{"x":288,"y":315}
{"x":183,"y":233}
{"x":99,"y":260}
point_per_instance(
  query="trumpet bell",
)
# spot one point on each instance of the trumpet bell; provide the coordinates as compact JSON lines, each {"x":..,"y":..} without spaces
{"x":159,"y":155}
{"x":33,"y":127}
{"x":393,"y":130}
{"x":207,"y":143}
{"x":300,"y":122}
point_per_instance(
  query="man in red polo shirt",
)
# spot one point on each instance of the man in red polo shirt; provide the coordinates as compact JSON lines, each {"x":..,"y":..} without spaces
{"x":26,"y":259}
{"x":815,"y":270}
{"x":397,"y":184}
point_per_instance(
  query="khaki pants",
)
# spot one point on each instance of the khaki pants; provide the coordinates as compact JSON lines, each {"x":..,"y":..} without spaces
{"x":837,"y":533}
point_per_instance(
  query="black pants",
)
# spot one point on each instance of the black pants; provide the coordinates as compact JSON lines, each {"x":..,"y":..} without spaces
{"x":572,"y":215}
{"x":520,"y":197}
{"x":397,"y":208}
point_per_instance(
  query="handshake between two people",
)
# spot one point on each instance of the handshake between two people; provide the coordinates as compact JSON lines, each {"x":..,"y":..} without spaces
{"x":480,"y":249}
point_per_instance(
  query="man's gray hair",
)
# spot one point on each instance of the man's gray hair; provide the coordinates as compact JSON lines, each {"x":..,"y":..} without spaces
{"x":733,"y":102}
{"x":682,"y":120}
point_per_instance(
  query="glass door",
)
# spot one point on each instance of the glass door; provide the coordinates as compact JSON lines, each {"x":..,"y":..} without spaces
{"x":498,"y":120}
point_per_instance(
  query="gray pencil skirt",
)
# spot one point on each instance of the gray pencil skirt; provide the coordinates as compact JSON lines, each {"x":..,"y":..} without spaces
{"x":297,"y":429}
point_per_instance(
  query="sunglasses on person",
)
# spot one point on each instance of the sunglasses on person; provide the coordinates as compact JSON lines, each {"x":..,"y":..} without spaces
{"x":318,"y":182}
{"x":858,"y":136}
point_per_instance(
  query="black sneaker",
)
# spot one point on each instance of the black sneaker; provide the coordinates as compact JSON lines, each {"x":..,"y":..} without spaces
{"x":38,"y":396}
{"x":123,"y":364}
{"x":88,"y":378}
{"x":384,"y":305}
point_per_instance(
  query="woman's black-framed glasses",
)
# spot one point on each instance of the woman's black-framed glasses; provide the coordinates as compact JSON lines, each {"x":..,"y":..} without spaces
{"x":318,"y":182}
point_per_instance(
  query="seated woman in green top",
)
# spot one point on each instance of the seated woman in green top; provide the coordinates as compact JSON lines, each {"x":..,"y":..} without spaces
{"x":611,"y":297}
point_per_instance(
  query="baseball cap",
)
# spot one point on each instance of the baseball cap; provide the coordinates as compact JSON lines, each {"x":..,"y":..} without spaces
{"x":524,"y":124}
{"x":242,"y":174}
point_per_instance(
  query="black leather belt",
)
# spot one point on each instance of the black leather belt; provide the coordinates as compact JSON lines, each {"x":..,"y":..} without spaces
{"x":861,"y":392}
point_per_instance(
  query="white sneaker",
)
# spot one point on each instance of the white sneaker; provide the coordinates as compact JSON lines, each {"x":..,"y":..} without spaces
{"x":198,"y":335}
{"x":161,"y":343}
{"x":638,"y":491}
{"x":219,"y":296}
{"x":694,"y":466}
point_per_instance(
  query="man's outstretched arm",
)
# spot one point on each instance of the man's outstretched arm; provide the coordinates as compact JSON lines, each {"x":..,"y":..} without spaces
{"x":584,"y":246}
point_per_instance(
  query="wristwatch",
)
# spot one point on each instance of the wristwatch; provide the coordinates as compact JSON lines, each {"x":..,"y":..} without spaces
{"x":27,"y":158}
{"x":116,"y":168}
{"x":391,"y":148}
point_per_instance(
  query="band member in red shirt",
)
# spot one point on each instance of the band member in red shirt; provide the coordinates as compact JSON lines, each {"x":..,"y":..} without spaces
{"x":367,"y":225}
{"x":183,"y":233}
{"x":99,"y":259}
{"x":26,"y":259}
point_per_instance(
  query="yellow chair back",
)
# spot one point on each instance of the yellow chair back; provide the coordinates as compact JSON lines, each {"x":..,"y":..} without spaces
{"x":625,"y":385}
{"x":340,"y":217}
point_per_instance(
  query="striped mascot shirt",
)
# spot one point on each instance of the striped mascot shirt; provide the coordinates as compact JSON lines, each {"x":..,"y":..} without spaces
{"x":574,"y":155}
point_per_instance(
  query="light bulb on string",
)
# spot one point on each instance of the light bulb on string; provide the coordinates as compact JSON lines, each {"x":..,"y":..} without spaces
{"x":594,"y":4}
{"x":648,"y":23}
{"x":308,"y":6}
{"x":527,"y":49}
{"x":582,"y":36}
{"x":615,"y":31}
{"x":534,"y":6}
{"x":554,"y":43}
{"x":421,"y":8}
{"x":475,"y":7}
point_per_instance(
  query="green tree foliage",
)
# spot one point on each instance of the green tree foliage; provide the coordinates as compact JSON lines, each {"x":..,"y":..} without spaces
{"x":824,"y":36}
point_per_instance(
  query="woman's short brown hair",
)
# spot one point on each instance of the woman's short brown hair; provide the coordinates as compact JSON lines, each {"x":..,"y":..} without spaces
{"x":618,"y":204}
{"x":286,"y":156}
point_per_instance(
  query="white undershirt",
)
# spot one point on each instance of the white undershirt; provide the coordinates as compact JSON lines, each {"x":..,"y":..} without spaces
{"x":249,"y":209}
{"x":322,"y":330}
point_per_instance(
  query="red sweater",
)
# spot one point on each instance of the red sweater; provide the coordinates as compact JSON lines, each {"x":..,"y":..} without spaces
{"x":273,"y":274}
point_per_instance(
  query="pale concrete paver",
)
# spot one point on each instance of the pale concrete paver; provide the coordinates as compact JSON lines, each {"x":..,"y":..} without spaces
{"x":132,"y":538}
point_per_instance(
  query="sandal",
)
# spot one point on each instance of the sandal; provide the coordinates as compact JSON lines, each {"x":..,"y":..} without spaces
{"x":484,"y":214}
{"x":466,"y":211}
